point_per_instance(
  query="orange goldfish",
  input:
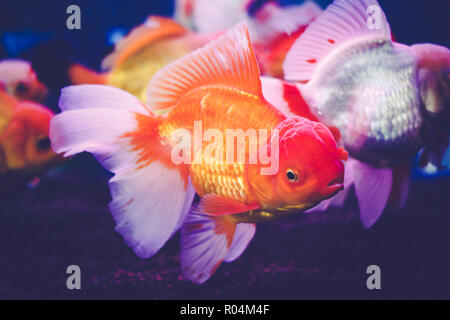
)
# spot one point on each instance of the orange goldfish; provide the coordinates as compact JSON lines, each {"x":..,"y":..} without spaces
{"x":161,"y":161}
{"x":19,"y":80}
{"x":138,"y":56}
{"x":25,"y":149}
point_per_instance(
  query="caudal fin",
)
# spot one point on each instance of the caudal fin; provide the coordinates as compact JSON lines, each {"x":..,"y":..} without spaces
{"x":207,"y":241}
{"x":151,"y":195}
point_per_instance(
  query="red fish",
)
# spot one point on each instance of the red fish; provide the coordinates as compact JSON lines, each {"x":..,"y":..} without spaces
{"x":138,"y":56}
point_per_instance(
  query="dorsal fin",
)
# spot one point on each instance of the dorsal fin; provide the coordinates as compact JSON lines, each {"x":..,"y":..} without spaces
{"x":154,"y":28}
{"x":228,"y":61}
{"x":342,"y":21}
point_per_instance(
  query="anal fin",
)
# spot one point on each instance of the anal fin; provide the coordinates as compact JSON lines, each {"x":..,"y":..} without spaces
{"x":216,"y":205}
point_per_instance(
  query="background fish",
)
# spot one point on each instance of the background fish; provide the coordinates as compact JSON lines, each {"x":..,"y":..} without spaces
{"x":18,"y":79}
{"x":388,"y":100}
{"x":159,"y":41}
{"x":273,"y":28}
{"x":218,"y":85}
{"x":25,"y":150}
{"x":138,"y":56}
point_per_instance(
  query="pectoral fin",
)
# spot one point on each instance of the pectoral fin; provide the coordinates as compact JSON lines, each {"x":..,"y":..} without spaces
{"x":217,"y":205}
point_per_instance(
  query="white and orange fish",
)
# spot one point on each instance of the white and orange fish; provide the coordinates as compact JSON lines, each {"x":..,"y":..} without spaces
{"x":25,"y":150}
{"x":218,"y":88}
{"x":387,"y":100}
{"x":18,"y":79}
{"x":139,"y":55}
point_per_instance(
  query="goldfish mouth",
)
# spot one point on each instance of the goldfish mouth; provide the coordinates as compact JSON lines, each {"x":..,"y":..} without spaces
{"x":334,"y":187}
{"x":337,"y":181}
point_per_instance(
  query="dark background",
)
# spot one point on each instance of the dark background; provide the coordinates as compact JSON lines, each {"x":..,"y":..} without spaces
{"x":66,"y":220}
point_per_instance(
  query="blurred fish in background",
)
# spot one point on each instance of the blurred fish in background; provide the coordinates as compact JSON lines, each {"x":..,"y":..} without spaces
{"x":140,"y":54}
{"x":273,"y":28}
{"x":18,"y":79}
{"x":25,"y":151}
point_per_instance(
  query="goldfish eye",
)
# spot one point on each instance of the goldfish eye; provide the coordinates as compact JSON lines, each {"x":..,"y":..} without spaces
{"x":292,"y":175}
{"x":43,"y":144}
{"x":22,"y":88}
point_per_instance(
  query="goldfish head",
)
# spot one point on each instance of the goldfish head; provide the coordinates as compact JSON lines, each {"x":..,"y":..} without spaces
{"x":310,"y":167}
{"x":19,"y":80}
{"x":26,"y":140}
{"x":434,"y":80}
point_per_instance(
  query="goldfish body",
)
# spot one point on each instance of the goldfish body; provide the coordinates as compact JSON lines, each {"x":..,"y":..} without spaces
{"x":158,"y":169}
{"x":378,"y":93}
{"x":18,"y":79}
{"x":25,"y":149}
{"x":142,"y":53}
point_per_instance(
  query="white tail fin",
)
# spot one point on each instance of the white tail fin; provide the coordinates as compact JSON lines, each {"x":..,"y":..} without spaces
{"x":150,"y":197}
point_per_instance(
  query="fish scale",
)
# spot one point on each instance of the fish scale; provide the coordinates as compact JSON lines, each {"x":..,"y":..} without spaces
{"x":369,"y":91}
{"x":237,"y":110}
